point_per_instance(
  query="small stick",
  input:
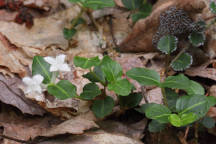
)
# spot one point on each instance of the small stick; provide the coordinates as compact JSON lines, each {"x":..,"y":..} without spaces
{"x":14,"y":139}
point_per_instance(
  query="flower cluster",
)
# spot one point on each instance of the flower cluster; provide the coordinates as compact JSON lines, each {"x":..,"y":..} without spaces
{"x":35,"y":85}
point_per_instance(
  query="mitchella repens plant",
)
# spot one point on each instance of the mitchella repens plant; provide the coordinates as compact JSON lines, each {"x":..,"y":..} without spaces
{"x":178,"y":109}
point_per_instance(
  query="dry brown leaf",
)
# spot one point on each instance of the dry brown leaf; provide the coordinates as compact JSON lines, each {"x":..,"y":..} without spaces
{"x":212,"y":91}
{"x":97,"y":137}
{"x":203,"y":71}
{"x":134,"y":130}
{"x":23,"y":128}
{"x":11,"y":94}
{"x":140,"y":40}
{"x":73,"y":126}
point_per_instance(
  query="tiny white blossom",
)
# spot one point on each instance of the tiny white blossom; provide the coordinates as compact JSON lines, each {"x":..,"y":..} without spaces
{"x":58,"y":63}
{"x":33,"y":84}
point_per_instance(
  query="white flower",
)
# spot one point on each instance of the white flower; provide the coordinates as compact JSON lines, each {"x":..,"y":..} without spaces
{"x":33,"y":84}
{"x":58,"y":63}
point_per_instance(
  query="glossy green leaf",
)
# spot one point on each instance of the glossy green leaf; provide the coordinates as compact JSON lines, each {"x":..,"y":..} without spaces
{"x":155,"y":126}
{"x":158,"y":112}
{"x":86,"y":63}
{"x":121,"y":87}
{"x":139,"y":15}
{"x":211,"y":101}
{"x":90,"y":91}
{"x":175,"y":120}
{"x":213,"y":7}
{"x":183,"y":62}
{"x":172,"y":97}
{"x":195,"y":88}
{"x":197,"y":104}
{"x":182,"y":120}
{"x":64,"y":89}
{"x":132,"y":4}
{"x":69,"y":33}
{"x":99,"y":4}
{"x":197,"y":38}
{"x":167,"y":44}
{"x":78,"y":21}
{"x":40,"y":66}
{"x":208,"y":122}
{"x":130,"y":101}
{"x":144,"y":76}
{"x":111,"y":69}
{"x":102,"y":108}
{"x":177,"y":82}
{"x":95,"y":76}
{"x":142,"y":109}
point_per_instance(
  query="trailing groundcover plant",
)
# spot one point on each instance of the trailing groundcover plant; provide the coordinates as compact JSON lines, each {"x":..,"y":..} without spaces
{"x":178,"y":110}
{"x":184,"y":100}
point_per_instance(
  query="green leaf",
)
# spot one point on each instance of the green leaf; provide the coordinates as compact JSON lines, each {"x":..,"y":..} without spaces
{"x":111,"y":69}
{"x":167,"y":44}
{"x":69,"y":33}
{"x":155,"y":126}
{"x":158,"y":112}
{"x":64,"y":89}
{"x":78,"y":21}
{"x":211,"y":101}
{"x":177,"y":82}
{"x":130,"y":101}
{"x":121,"y":87}
{"x":142,"y":109}
{"x":132,"y":4}
{"x":183,"y":62}
{"x":172,"y":97}
{"x":197,"y":38}
{"x":86,"y":63}
{"x":98,"y":4}
{"x":139,"y":15}
{"x":197,"y":104}
{"x":144,"y":76}
{"x":213,"y":7}
{"x":102,"y":108}
{"x":195,"y":88}
{"x":90,"y":91}
{"x":40,"y":66}
{"x":175,"y":120}
{"x":208,"y":122}
{"x":95,"y":76}
{"x":182,"y":120}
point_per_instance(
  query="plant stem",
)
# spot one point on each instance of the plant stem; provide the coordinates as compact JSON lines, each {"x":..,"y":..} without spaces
{"x":54,"y":76}
{"x":77,"y":17}
{"x":196,"y":131}
{"x":89,"y":13}
{"x":163,"y":91}
{"x":180,"y":53}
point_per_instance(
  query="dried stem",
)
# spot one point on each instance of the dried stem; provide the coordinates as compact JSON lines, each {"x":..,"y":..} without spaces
{"x":14,"y":139}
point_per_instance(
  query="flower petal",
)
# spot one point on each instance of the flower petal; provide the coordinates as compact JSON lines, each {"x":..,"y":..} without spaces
{"x":50,"y":60}
{"x":65,"y":67}
{"x":38,"y":78}
{"x":53,"y":68}
{"x":27,"y":80}
{"x":38,"y":89}
{"x":60,"y":58}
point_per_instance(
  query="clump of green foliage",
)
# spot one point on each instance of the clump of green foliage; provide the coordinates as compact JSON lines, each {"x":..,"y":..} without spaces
{"x":86,"y":7}
{"x":140,"y":8}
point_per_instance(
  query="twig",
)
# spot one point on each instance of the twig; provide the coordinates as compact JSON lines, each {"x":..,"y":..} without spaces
{"x":143,"y":90}
{"x":92,"y":19}
{"x":186,"y":132}
{"x":210,"y":17}
{"x":196,"y":131}
{"x":110,"y":22}
{"x":14,"y":139}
